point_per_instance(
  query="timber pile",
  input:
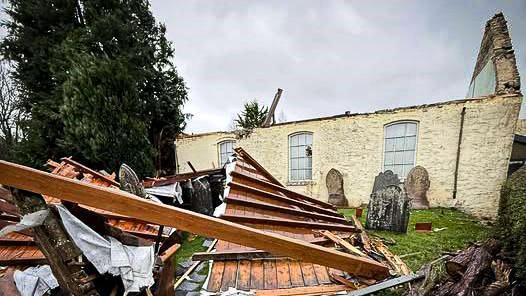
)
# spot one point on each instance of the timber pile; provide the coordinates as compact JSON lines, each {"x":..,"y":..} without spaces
{"x":482,"y":269}
{"x":37,"y":246}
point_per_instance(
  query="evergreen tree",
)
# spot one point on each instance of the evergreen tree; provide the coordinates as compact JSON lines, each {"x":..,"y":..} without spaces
{"x":100,"y":110}
{"x":252,"y":116}
{"x":34,"y":30}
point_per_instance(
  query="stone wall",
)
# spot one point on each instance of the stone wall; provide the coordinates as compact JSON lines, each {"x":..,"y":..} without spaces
{"x":521,"y":127}
{"x":353,"y":144}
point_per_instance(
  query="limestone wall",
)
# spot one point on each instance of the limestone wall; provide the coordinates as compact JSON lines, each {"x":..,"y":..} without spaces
{"x":201,"y":150}
{"x":353,"y":144}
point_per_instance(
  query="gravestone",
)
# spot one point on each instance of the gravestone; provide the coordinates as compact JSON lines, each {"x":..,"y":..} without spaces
{"x":388,"y":207}
{"x":416,"y":185}
{"x":385,"y":179}
{"x":334,"y":181}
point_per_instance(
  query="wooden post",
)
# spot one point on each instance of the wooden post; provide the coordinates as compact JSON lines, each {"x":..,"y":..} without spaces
{"x":270,"y":115}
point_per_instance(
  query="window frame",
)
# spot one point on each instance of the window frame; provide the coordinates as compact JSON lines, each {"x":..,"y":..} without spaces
{"x":289,"y":157}
{"x":219,"y":144}
{"x":417,"y":132}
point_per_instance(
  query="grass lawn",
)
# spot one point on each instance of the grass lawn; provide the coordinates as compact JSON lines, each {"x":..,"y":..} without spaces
{"x":190,"y":245}
{"x":461,"y":229}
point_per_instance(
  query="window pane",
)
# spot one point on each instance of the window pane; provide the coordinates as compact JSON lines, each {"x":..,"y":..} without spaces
{"x":410,"y":143}
{"x":309,"y":163}
{"x":409,"y":157}
{"x":389,"y":158}
{"x":396,"y":130}
{"x":411,"y":129}
{"x":308,"y":174}
{"x":399,"y":144}
{"x":294,"y":141}
{"x":398,"y":169}
{"x":308,"y":139}
{"x":294,"y":175}
{"x":294,"y":164}
{"x":294,"y":151}
{"x":389,"y":144}
{"x":301,"y":139}
{"x":399,"y":157}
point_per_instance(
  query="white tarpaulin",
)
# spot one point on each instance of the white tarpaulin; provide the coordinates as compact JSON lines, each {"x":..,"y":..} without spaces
{"x":35,"y":281}
{"x":133,"y":264}
{"x":173,"y":191}
{"x":27,"y":221}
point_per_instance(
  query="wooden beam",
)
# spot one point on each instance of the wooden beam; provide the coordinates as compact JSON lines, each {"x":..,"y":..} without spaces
{"x":284,"y":190}
{"x":270,"y":114}
{"x":347,"y":245}
{"x":315,"y":290}
{"x":366,"y":241}
{"x":85,"y":169}
{"x":24,"y":261}
{"x":295,"y":202}
{"x":288,"y":222}
{"x":128,"y":204}
{"x":284,"y":210}
{"x":167,"y":255}
{"x":16,"y":242}
{"x":232,"y":255}
{"x":247,"y":158}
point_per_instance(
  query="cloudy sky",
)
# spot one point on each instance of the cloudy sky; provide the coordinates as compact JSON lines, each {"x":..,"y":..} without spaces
{"x":328,"y":56}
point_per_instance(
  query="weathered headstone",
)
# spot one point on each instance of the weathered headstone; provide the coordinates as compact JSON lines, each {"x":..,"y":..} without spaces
{"x":334,"y":181}
{"x":388,"y":207}
{"x":385,"y":179}
{"x":416,"y":185}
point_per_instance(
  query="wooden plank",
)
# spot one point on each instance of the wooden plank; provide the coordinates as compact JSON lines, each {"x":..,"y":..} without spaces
{"x":256,"y":275}
{"x":343,"y":243}
{"x":125,"y":203}
{"x":343,"y":281}
{"x":229,"y":275}
{"x":24,"y":261}
{"x":286,"y":210}
{"x":296,"y":277}
{"x":166,"y":255}
{"x":319,"y":290}
{"x":230,"y":255}
{"x":216,"y":276}
{"x":246,"y":157}
{"x":179,"y":177}
{"x":9,"y":208}
{"x":309,"y":276}
{"x":270,"y":274}
{"x":285,"y":190}
{"x":282,"y":267}
{"x":243,"y":275}
{"x":85,"y":169}
{"x":16,"y":242}
{"x":322,"y":274}
{"x":304,"y":205}
{"x":366,"y":241}
{"x":288,"y":222}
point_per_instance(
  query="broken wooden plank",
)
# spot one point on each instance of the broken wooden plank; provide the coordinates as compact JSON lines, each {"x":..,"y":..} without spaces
{"x":284,"y":190}
{"x":16,"y":242}
{"x":166,"y":255}
{"x":285,"y":210}
{"x":127,"y":204}
{"x":343,"y":281}
{"x":85,"y":169}
{"x":343,"y":243}
{"x":387,"y":284}
{"x":398,"y":265}
{"x":247,"y":158}
{"x":307,"y":206}
{"x":287,"y":222}
{"x":314,"y":290}
{"x":366,"y":241}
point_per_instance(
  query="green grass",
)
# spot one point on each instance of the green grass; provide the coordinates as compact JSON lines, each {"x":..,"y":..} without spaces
{"x":189,"y":247}
{"x":461,"y":230}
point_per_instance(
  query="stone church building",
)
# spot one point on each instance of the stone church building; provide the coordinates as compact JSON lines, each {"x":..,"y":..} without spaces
{"x":465,"y":145}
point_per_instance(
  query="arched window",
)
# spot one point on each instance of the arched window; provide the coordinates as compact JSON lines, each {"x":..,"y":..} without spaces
{"x":300,"y":157}
{"x":400,"y":147}
{"x":226,"y":148}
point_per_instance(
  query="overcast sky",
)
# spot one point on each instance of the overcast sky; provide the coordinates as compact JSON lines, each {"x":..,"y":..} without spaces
{"x":328,"y":56}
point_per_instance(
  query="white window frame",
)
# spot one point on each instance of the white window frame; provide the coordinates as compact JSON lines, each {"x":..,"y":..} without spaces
{"x":417,"y":123}
{"x":289,"y":146}
{"x":220,"y":153}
